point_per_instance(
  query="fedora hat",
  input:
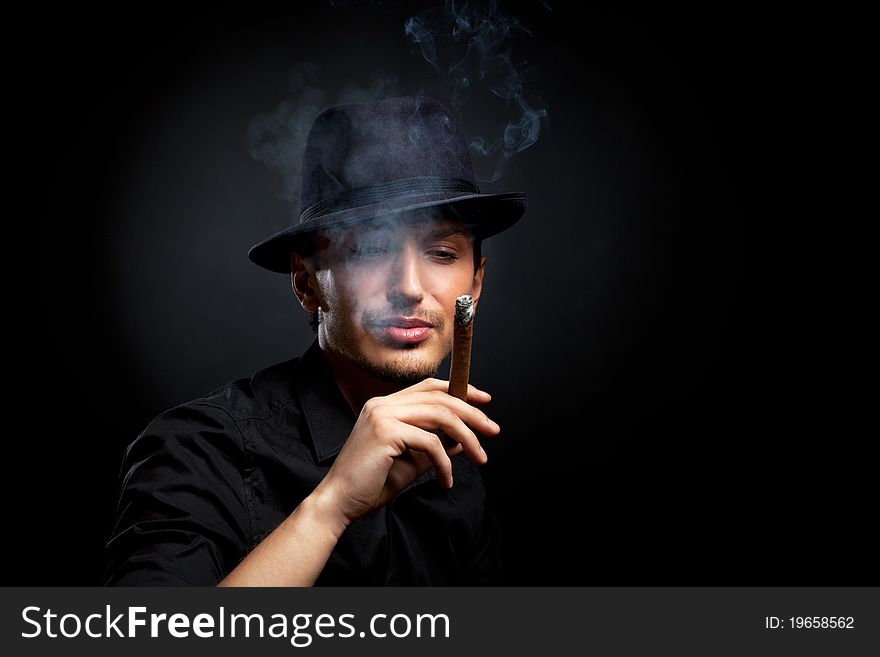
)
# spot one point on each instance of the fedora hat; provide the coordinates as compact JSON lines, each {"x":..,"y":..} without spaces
{"x":363,"y":161}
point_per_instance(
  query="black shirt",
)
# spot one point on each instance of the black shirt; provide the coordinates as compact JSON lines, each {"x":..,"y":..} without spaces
{"x":206,"y":481}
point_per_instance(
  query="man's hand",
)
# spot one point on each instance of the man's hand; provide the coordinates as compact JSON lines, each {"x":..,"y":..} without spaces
{"x":392,"y":444}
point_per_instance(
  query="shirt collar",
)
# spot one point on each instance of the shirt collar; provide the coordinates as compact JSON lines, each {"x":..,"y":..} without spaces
{"x":328,"y":416}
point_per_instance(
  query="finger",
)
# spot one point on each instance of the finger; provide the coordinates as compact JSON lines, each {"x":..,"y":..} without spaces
{"x":426,"y":384}
{"x":477,"y":396}
{"x":419,"y":440}
{"x":452,"y":447}
{"x":471,"y":415}
{"x":437,"y":416}
{"x":456,"y":448}
{"x":474,"y":393}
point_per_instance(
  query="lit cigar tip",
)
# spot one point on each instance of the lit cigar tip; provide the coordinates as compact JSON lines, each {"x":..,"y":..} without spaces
{"x":464,"y":309}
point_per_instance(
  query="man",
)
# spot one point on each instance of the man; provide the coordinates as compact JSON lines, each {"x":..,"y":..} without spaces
{"x":352,"y":464}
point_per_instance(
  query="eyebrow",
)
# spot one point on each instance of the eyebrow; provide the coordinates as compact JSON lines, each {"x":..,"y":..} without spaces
{"x":447,"y":232}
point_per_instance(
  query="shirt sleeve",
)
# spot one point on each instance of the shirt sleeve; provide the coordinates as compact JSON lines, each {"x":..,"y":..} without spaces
{"x":182,"y":517}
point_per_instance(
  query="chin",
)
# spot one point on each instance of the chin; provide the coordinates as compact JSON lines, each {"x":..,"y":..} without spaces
{"x":403,"y":365}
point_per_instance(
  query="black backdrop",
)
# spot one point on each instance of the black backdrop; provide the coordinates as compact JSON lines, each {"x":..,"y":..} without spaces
{"x":621,"y":331}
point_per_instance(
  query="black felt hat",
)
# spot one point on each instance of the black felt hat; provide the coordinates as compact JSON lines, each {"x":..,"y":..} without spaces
{"x":367,"y":160}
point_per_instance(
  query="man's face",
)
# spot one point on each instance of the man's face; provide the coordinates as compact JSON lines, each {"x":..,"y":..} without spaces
{"x":389,"y":293}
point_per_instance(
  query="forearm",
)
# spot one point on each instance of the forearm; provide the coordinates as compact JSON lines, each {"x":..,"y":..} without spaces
{"x":295,"y":553}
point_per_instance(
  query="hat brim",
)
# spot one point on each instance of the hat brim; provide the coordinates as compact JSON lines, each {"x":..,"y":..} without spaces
{"x":485,"y":214}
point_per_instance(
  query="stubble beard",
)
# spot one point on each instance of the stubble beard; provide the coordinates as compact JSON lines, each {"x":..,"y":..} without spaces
{"x":404,"y":370}
{"x":407,"y":368}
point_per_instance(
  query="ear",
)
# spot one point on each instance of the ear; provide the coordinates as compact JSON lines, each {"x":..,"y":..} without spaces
{"x":477,"y":286}
{"x":304,"y":282}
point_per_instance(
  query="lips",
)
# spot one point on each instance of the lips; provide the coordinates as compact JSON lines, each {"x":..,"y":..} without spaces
{"x":405,"y":330}
{"x":404,"y":322}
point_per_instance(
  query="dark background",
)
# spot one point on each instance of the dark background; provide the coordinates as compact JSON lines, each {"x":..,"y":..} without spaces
{"x":654,"y":430}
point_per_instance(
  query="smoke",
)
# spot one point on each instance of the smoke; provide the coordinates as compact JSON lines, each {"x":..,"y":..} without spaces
{"x":278,"y":138}
{"x":417,"y":33}
{"x":470,"y":45}
{"x":364,"y":283}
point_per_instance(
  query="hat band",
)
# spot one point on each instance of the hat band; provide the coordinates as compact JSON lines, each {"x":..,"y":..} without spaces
{"x":380,"y":192}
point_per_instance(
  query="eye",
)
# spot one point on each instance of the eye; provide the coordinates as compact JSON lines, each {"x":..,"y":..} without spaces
{"x":444,"y":255}
{"x":368,"y":249}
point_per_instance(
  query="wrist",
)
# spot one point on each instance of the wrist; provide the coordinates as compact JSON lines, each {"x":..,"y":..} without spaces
{"x":322,"y":506}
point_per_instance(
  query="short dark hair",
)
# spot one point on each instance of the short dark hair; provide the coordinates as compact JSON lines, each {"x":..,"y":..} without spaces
{"x":478,"y":254}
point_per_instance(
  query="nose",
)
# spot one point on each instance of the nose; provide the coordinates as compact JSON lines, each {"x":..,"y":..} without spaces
{"x":405,"y":286}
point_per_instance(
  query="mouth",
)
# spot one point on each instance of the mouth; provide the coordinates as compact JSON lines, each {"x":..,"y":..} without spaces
{"x":404,"y":330}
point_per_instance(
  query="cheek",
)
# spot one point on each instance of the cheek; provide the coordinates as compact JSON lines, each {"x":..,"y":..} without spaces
{"x":447,"y":284}
{"x":350,"y":291}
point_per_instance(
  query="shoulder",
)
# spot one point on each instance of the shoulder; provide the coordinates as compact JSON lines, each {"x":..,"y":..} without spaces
{"x":258,"y":396}
{"x":214,"y":421}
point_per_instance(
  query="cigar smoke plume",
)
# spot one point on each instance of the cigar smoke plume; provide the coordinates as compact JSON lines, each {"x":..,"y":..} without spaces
{"x":472,"y":47}
{"x":475,"y":49}
{"x":278,"y":137}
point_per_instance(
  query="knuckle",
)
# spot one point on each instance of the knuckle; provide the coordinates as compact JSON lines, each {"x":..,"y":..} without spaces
{"x":373,"y":408}
{"x":443,"y":412}
{"x":383,"y":425}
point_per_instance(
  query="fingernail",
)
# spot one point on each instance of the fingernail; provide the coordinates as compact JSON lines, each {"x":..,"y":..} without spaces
{"x":483,"y":452}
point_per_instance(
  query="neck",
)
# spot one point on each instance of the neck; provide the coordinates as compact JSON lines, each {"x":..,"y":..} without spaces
{"x":356,"y":384}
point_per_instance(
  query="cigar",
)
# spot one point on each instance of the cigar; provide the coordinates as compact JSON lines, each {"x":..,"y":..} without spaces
{"x":460,"y":368}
